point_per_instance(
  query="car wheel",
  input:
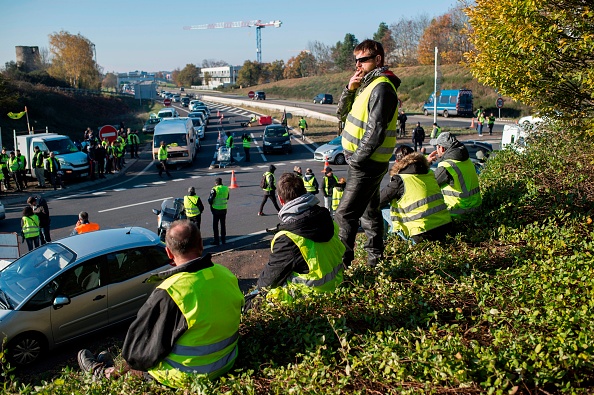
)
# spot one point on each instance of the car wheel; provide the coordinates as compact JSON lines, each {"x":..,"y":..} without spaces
{"x":26,"y":348}
{"x":446,"y":113}
{"x":426,"y":113}
{"x":314,"y":101}
{"x":339,"y":160}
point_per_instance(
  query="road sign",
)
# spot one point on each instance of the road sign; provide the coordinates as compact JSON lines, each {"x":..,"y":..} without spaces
{"x":499,"y":102}
{"x":167,"y":102}
{"x":251,"y":94}
{"x":108,"y":132}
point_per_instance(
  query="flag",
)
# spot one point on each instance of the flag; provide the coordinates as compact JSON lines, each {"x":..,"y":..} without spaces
{"x":17,"y":115}
{"x":284,"y":118}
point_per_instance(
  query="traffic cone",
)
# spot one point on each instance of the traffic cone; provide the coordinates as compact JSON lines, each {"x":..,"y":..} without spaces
{"x":472,"y":124}
{"x":233,"y":181}
{"x":326,"y":164}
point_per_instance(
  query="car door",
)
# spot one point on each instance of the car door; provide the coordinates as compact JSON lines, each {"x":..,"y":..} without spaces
{"x":128,"y":271}
{"x":87,"y":310}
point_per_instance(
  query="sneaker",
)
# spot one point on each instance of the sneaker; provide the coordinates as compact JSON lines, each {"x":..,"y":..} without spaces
{"x":87,"y":361}
{"x":261,"y":214}
{"x":106,"y":358}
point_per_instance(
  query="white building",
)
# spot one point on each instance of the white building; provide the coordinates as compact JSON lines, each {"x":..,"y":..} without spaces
{"x":213,"y":77}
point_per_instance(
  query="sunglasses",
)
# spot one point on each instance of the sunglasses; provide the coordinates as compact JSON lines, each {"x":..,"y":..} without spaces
{"x":364,"y":59}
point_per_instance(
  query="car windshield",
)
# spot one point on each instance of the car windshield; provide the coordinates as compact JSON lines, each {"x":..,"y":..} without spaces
{"x":171,"y":208}
{"x":336,"y":141}
{"x":166,"y":114}
{"x":153,"y":121}
{"x":23,"y":276}
{"x":275,"y":132}
{"x":171,"y":140}
{"x":61,"y":146}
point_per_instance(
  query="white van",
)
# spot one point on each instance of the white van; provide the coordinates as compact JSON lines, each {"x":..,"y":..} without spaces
{"x":179,"y":137}
{"x":168,"y":112}
{"x":514,"y":136}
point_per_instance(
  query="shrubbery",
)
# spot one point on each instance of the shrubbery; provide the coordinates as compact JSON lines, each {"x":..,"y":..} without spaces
{"x":505,"y":306}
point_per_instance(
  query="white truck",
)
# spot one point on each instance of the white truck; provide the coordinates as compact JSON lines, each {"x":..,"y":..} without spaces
{"x":73,"y":162}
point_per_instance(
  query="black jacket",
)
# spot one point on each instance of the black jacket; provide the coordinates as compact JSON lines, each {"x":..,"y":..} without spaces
{"x":456,"y":152}
{"x":382,"y":106}
{"x":159,"y":322}
{"x":312,"y":222}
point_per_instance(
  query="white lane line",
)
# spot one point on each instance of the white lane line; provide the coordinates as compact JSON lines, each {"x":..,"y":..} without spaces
{"x":178,"y":179}
{"x":120,"y":189}
{"x":135,"y":204}
{"x":262,"y":167}
{"x":240,"y":238}
{"x":99,"y":193}
{"x":140,"y":186}
{"x":159,"y":182}
{"x":196,"y":176}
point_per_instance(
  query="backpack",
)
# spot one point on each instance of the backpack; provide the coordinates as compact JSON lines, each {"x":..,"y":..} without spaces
{"x":263,"y":182}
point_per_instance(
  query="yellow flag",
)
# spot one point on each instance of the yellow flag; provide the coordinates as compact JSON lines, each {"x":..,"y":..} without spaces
{"x":17,"y":115}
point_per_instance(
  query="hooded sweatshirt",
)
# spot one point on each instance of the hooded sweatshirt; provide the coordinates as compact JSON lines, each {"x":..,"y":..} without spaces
{"x":305,"y":218}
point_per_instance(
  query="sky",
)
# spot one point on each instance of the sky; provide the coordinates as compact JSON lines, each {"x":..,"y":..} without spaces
{"x":148,"y":35}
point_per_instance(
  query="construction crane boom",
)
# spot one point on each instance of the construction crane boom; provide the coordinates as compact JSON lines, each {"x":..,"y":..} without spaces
{"x":258,"y":24}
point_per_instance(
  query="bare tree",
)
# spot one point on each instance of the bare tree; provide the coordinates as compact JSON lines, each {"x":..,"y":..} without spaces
{"x":322,"y":55}
{"x":206,"y":63}
{"x":406,"y":34}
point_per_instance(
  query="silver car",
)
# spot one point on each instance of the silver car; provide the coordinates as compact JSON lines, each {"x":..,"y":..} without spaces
{"x":74,"y":286}
{"x":331,"y":150}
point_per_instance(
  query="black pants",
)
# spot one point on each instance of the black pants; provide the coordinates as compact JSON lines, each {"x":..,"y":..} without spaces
{"x":246,"y":151}
{"x":418,"y":143}
{"x":272,"y":197}
{"x":219,"y":217}
{"x":44,"y":234}
{"x":6,"y":177}
{"x":162,"y":167}
{"x":196,"y":219}
{"x":360,"y":201}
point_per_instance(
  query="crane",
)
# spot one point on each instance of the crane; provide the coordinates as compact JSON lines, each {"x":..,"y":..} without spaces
{"x":226,"y":25}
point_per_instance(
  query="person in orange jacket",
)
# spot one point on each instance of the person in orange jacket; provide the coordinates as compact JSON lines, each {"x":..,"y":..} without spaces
{"x":83,"y":225}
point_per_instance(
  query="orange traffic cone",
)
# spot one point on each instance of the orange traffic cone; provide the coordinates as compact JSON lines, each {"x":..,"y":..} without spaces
{"x":472,"y":124}
{"x":326,"y":164}
{"x":233,"y":181}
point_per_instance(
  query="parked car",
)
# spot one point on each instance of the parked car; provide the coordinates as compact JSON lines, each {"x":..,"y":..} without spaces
{"x":199,"y":114}
{"x":276,"y":138}
{"x":176,"y":98}
{"x":198,"y":124}
{"x":149,"y":125}
{"x":323,"y":98}
{"x":331,"y":150}
{"x":75,"y":286}
{"x":185,"y":101}
{"x":259,"y":95}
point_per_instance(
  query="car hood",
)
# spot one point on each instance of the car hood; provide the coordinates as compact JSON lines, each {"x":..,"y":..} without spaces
{"x":276,"y":140}
{"x":4,"y":314}
{"x":327,"y":147}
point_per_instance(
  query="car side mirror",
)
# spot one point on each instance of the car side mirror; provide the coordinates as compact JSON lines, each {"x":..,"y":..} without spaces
{"x":61,"y":301}
{"x":156,"y":212}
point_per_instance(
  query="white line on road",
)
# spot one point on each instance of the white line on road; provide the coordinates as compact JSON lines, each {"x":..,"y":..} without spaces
{"x":239,"y":238}
{"x":135,"y":204}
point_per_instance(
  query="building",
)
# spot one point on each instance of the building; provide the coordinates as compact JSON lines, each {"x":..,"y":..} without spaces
{"x":27,"y":58}
{"x":134,"y":77}
{"x":213,"y":77}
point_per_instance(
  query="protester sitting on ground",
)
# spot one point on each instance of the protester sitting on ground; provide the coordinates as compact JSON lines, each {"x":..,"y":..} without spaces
{"x":417,"y":208}
{"x":306,"y":251}
{"x":83,"y":225}
{"x":188,"y":326}
{"x":456,"y":175}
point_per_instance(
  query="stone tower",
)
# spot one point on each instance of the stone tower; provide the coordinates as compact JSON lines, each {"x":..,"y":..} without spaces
{"x":27,"y":58}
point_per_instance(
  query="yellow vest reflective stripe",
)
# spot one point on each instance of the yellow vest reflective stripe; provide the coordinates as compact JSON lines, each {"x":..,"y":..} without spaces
{"x":191,"y":206}
{"x":325,"y":267}
{"x":465,"y":195}
{"x":309,"y":184}
{"x":211,"y":302}
{"x":221,"y":197}
{"x":269,"y":181}
{"x":422,"y":206}
{"x":356,"y":125}
{"x":336,"y":196}
{"x":31,"y":226}
{"x":162,"y":153}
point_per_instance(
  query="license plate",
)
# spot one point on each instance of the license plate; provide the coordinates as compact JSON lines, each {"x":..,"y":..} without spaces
{"x":84,"y":174}
{"x":278,"y":147}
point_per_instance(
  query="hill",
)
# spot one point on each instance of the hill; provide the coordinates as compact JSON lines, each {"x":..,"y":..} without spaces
{"x":415,"y":89}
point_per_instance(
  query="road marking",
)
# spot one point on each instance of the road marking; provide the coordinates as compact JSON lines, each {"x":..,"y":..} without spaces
{"x":140,"y":186}
{"x":99,"y":193}
{"x":196,"y":176}
{"x":159,"y":182}
{"x":178,"y":179}
{"x":120,"y":189}
{"x":135,"y":204}
{"x":239,"y":238}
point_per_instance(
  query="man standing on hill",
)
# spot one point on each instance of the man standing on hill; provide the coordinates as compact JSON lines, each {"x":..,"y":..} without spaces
{"x":369,"y":108}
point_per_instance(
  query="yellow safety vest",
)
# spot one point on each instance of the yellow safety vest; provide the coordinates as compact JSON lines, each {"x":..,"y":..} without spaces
{"x":162,"y":153}
{"x":309,"y":184}
{"x":211,"y":302}
{"x":221,"y":197}
{"x":356,"y":125}
{"x":247,"y":143}
{"x":13,"y":164}
{"x":336,"y":196}
{"x":269,"y":181}
{"x":31,"y":226}
{"x":325,"y":267}
{"x":191,"y":206}
{"x":422,"y":206}
{"x":465,"y":195}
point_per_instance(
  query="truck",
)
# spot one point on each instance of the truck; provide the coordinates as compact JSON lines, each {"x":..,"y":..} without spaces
{"x":450,"y":102}
{"x":73,"y":162}
{"x":181,"y":140}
